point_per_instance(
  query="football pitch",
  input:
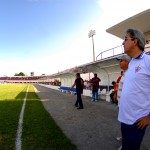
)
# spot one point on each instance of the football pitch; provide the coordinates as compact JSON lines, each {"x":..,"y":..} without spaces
{"x":25,"y":124}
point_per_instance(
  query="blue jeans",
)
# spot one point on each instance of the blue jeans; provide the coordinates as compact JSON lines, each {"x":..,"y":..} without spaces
{"x":79,"y":100}
{"x":132,"y":136}
{"x":95,"y":94}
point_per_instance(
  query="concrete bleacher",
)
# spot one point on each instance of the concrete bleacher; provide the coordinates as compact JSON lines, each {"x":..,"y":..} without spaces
{"x":103,"y":93}
{"x":21,"y":78}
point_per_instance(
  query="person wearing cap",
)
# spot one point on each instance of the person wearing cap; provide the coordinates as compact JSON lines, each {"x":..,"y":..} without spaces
{"x":123,"y":63}
{"x":79,"y":88}
{"x":134,"y":109}
{"x":124,"y":60}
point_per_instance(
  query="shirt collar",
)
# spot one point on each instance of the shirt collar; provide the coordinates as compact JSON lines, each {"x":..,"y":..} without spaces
{"x":140,"y":56}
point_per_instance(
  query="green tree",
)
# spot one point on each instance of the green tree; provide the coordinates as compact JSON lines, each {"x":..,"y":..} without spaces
{"x":19,"y":74}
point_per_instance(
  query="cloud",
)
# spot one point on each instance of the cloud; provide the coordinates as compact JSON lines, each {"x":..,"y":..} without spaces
{"x":118,"y":10}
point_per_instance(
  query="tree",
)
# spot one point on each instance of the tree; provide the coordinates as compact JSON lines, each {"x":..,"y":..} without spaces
{"x":19,"y":74}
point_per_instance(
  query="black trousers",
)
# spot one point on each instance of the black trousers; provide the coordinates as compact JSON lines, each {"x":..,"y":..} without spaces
{"x":132,"y":136}
{"x":79,"y":100}
{"x":112,"y":97}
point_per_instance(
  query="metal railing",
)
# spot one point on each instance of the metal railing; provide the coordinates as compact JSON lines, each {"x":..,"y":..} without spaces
{"x":111,"y":52}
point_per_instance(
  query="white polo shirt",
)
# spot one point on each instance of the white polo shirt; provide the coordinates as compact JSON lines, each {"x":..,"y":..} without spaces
{"x":120,"y":85}
{"x":135,"y":96}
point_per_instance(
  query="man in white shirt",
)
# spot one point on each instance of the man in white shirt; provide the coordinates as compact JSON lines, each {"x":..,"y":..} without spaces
{"x":134,"y":110}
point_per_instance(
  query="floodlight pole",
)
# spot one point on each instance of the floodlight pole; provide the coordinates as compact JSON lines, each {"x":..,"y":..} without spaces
{"x":91,"y":34}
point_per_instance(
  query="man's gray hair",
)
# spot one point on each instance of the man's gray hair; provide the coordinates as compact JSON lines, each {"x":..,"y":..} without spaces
{"x":136,"y":34}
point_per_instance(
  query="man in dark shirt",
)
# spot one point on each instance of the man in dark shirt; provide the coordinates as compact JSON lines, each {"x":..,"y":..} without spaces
{"x":95,"y":87}
{"x":79,"y":88}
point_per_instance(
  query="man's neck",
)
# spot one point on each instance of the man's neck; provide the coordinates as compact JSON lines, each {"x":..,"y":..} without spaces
{"x":136,"y":53}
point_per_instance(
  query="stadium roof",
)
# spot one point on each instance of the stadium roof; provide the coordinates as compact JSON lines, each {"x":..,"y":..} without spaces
{"x":139,"y":21}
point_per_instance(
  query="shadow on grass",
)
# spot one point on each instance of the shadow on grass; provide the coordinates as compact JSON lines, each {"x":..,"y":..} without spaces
{"x":40,"y":132}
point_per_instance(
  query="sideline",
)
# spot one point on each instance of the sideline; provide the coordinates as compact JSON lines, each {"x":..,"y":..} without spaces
{"x":19,"y":130}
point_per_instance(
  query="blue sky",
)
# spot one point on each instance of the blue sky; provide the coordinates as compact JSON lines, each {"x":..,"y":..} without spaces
{"x":29,"y":26}
{"x":47,"y":36}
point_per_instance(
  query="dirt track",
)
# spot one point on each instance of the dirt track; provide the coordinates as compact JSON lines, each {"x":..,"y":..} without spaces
{"x":93,"y":128}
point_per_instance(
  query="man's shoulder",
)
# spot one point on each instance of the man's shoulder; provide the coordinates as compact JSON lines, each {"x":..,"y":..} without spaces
{"x":79,"y":79}
{"x":147,"y":57}
{"x":98,"y":78}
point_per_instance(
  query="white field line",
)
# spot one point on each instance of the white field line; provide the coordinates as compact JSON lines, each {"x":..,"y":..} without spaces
{"x":19,"y":130}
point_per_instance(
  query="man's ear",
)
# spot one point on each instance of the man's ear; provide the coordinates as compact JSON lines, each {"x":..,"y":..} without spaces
{"x":135,"y":41}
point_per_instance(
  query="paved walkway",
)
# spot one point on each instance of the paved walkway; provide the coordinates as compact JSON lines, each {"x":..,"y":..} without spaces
{"x":93,"y":128}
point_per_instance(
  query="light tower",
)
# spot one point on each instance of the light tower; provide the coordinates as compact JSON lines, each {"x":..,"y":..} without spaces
{"x":91,"y":34}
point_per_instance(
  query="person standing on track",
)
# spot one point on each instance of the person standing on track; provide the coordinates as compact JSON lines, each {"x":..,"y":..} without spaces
{"x":134,"y":109}
{"x":95,"y":87}
{"x":79,"y":83}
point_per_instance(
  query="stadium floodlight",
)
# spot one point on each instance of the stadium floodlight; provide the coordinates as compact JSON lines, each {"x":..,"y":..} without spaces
{"x":91,"y":34}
